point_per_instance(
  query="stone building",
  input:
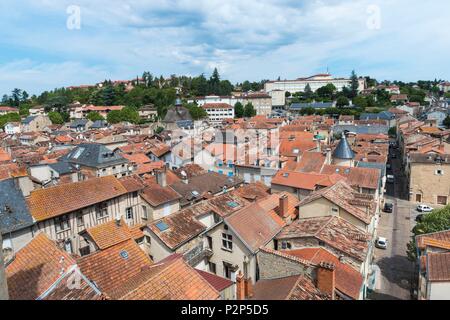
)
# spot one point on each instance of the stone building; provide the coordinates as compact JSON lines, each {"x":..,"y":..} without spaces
{"x":429,"y":178}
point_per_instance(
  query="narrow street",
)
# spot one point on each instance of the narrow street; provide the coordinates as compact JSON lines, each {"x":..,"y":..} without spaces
{"x":397,"y":271}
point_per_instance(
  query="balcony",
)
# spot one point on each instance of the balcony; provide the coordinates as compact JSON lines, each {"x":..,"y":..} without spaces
{"x":198,"y":254}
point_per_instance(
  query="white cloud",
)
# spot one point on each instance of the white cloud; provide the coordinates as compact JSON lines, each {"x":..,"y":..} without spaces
{"x":246,"y":39}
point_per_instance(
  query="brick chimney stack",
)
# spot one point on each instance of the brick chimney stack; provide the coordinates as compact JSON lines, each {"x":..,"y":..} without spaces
{"x":240,"y":286}
{"x":284,"y":204}
{"x":3,"y":284}
{"x":326,"y":279}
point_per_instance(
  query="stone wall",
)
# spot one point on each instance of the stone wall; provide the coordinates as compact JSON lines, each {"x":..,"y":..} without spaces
{"x":273,"y":266}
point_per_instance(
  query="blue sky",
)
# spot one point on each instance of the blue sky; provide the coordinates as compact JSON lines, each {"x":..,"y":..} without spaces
{"x":244,"y":39}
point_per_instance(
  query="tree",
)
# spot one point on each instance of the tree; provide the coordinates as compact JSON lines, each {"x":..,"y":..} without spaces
{"x":115,"y":116}
{"x":196,"y":112}
{"x":361,"y":102}
{"x":447,"y":122}
{"x":214,"y":83}
{"x":326,"y":92}
{"x":108,"y":95}
{"x":238,"y":110}
{"x":393,"y":131}
{"x":130,"y":114}
{"x":55,"y":117}
{"x":94,"y":116}
{"x":9,"y":117}
{"x":436,"y":221}
{"x":249,"y":110}
{"x":16,"y":96}
{"x":342,"y":102}
{"x":308,"y":92}
{"x":354,"y":84}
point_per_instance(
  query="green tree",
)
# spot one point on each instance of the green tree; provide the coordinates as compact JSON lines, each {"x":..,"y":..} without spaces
{"x":108,"y":95}
{"x":94,"y":116}
{"x":393,"y":132}
{"x":354,"y":86}
{"x":361,"y":102}
{"x":249,"y":110}
{"x":326,"y":92}
{"x":16,"y":96}
{"x":308,"y":92}
{"x":115,"y":116}
{"x":436,"y":221}
{"x":238,"y":110}
{"x":10,"y":117}
{"x":196,"y":112}
{"x":342,"y":102}
{"x":214,"y":83}
{"x":447,"y":122}
{"x":130,"y":114}
{"x":55,"y":117}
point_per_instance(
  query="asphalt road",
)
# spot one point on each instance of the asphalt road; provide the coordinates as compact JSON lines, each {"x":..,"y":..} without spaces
{"x":397,"y":272}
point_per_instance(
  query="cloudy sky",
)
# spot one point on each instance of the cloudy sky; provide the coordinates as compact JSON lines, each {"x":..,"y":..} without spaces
{"x":41,"y":46}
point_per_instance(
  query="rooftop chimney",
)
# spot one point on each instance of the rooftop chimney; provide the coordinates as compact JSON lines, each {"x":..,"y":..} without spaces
{"x":3,"y":284}
{"x":161,"y":177}
{"x":284,"y":201}
{"x":240,"y":286}
{"x":326,"y":279}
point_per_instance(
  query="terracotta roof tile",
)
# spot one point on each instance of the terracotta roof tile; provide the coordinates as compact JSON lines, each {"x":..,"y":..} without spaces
{"x":35,"y":268}
{"x":215,"y":281}
{"x":333,"y":231}
{"x":438,"y":266}
{"x":348,"y":280}
{"x":114,"y":266}
{"x":48,"y":203}
{"x":109,"y":234}
{"x":172,"y":280}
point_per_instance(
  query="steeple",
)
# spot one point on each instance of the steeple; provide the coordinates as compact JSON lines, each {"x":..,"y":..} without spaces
{"x":343,"y":154}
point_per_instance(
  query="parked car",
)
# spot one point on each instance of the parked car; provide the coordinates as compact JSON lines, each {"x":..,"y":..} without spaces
{"x":390,"y":179}
{"x":394,"y":156}
{"x":388,"y":207}
{"x":388,"y":166}
{"x":381,"y":243}
{"x":424,"y":208}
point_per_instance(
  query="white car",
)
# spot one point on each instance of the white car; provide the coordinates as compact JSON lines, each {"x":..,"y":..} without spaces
{"x":424,"y":208}
{"x":381,"y":243}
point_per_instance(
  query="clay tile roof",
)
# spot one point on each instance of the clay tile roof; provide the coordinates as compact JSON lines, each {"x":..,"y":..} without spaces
{"x":216,"y":106}
{"x":215,"y":281}
{"x":157,"y":195}
{"x":48,"y":203}
{"x":298,"y":180}
{"x":361,"y":177}
{"x":252,"y":191}
{"x":172,"y":279}
{"x":35,"y":268}
{"x":361,"y":206}
{"x":257,"y":223}
{"x":288,"y":288}
{"x":138,"y":158}
{"x":348,"y":280}
{"x":109,"y":234}
{"x":437,"y":240}
{"x":334,"y":231}
{"x":132,"y":183}
{"x":112,"y":267}
{"x":439,"y":266}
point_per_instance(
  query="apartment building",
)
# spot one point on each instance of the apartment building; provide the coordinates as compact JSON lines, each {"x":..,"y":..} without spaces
{"x":315,"y":82}
{"x":218,"y":112}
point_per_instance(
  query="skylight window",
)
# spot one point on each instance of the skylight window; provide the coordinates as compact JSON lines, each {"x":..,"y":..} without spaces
{"x":78,"y":153}
{"x":232,"y":204}
{"x":162,"y":226}
{"x":124,"y":254}
{"x":195,"y":193}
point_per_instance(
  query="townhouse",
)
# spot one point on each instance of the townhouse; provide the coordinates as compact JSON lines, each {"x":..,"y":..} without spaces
{"x":64,"y":212}
{"x":433,"y":260}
